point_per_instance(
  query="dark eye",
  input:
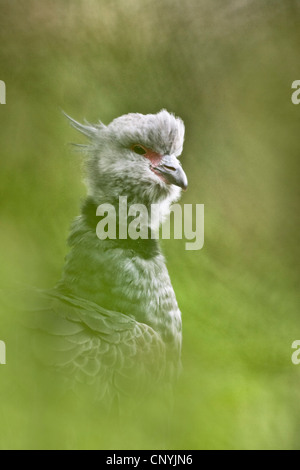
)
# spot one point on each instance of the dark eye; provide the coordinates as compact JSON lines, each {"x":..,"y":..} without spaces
{"x":139,"y":149}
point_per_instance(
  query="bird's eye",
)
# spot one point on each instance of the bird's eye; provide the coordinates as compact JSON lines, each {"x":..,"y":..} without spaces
{"x":139,"y":149}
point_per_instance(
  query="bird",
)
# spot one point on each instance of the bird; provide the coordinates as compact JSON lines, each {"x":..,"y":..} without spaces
{"x":112,"y":321}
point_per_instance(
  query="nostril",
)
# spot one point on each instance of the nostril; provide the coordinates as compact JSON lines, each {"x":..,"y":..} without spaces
{"x":170,"y":168}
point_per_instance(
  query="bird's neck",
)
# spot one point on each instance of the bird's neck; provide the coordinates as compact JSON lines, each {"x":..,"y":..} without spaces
{"x":123,"y":275}
{"x":126,"y":216}
{"x":83,"y":270}
{"x":113,"y":216}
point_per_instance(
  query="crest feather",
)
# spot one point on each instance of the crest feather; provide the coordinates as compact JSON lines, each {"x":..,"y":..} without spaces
{"x":89,"y":130}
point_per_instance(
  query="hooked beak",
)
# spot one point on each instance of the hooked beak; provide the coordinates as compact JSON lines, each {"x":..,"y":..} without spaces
{"x":170,"y":169}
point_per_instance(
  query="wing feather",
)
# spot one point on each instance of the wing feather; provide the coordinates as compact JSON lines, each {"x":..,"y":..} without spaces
{"x":88,"y":344}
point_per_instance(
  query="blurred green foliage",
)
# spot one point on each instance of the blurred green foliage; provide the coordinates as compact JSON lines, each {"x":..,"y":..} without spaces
{"x":226,"y":68}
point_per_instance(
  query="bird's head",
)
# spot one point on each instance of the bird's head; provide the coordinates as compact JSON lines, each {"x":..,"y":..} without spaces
{"x":135,"y":156}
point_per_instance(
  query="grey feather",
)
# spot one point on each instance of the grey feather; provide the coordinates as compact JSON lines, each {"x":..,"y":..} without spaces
{"x":113,"y":321}
{"x":87,"y":129}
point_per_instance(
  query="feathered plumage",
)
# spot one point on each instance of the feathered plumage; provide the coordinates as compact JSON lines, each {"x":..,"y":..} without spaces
{"x":113,"y":319}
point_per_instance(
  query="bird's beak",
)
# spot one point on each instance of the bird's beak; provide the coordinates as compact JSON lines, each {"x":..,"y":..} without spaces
{"x":171,"y":171}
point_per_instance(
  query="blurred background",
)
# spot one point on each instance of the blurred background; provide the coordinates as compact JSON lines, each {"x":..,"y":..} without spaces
{"x":226,"y":68}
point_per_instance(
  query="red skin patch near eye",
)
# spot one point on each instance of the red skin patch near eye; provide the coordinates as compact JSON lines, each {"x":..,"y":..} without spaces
{"x":154,"y":157}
